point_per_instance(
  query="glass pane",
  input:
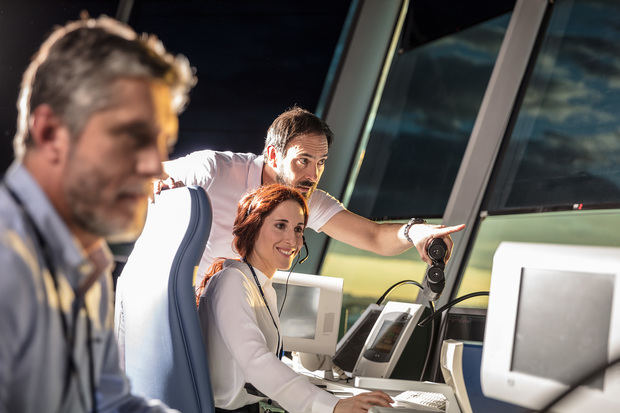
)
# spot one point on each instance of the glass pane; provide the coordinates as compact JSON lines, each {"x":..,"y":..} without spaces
{"x":427,"y":110}
{"x":575,"y":227}
{"x":565,"y":146}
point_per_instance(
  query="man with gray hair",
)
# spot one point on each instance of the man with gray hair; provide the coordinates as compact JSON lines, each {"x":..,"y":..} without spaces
{"x":98,"y":111}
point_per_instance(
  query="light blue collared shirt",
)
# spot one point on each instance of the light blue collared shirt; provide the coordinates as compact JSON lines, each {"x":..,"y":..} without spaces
{"x":33,"y":348}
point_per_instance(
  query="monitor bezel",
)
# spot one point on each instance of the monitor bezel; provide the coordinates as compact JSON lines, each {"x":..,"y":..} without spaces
{"x":498,"y":380}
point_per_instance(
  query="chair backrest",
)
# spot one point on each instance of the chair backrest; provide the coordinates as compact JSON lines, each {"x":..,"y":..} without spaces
{"x":156,"y":321}
{"x":472,"y":358}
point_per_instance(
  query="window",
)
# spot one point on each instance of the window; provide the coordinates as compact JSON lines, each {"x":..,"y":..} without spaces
{"x":424,"y":120}
{"x":564,"y":149}
{"x":565,"y":146}
{"x":427,"y":111}
{"x":565,"y":227}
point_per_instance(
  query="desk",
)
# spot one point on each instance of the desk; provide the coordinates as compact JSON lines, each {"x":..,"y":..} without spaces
{"x":392,"y":387}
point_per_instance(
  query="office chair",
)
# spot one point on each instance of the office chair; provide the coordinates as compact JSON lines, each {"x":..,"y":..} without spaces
{"x":156,"y":322}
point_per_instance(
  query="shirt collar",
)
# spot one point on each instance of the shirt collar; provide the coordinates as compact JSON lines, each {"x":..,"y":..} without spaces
{"x":64,"y":247}
{"x":263,"y":280}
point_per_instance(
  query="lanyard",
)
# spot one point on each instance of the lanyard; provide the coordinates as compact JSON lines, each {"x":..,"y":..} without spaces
{"x":79,"y":303}
{"x":260,"y":289}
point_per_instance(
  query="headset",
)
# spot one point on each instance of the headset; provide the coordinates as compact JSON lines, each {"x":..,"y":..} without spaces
{"x":302,"y":260}
{"x":299,"y":261}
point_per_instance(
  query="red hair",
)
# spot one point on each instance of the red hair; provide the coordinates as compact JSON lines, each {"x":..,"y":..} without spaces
{"x":251,"y":213}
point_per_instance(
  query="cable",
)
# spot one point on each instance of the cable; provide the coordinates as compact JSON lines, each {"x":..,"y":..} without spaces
{"x":443,"y":326}
{"x":389,"y":290}
{"x":286,"y":286}
{"x":584,"y":379}
{"x":449,"y":305}
{"x":431,"y":343}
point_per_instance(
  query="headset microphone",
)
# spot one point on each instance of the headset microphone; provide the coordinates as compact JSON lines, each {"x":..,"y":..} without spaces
{"x":301,"y":261}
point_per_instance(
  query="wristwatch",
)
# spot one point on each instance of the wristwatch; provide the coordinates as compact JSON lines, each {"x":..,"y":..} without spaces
{"x":411,"y":222}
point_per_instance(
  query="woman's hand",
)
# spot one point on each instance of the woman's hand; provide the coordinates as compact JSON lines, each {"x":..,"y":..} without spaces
{"x":362,"y":402}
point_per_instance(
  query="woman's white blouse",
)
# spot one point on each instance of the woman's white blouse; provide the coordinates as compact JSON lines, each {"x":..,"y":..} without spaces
{"x":241,"y":343}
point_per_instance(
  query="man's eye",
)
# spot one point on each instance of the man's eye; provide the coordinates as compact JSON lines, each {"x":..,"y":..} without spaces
{"x":303,"y":161}
{"x":322,"y":162}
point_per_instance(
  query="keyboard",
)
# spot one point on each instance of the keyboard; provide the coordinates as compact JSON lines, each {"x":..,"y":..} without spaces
{"x":412,"y":398}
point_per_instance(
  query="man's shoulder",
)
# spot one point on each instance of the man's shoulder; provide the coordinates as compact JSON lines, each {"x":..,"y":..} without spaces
{"x":320,"y":198}
{"x":11,"y":217}
{"x":221,"y":156}
{"x":17,"y":256}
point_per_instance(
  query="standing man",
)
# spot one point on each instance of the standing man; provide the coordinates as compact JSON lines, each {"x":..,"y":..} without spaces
{"x":97,"y":114}
{"x":296,"y":149}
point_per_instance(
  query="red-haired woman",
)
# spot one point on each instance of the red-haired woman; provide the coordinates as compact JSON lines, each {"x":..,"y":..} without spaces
{"x":237,"y":307}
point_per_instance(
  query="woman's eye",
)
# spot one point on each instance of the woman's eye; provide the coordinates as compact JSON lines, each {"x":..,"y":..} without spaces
{"x":299,"y":229}
{"x":279,"y":225}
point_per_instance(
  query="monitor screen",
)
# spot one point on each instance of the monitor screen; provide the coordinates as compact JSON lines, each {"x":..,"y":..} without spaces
{"x":300,"y":308}
{"x":388,"y":334}
{"x":310,"y":316}
{"x":554,"y":305}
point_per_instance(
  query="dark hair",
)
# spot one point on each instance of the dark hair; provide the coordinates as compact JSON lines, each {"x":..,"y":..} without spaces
{"x":75,"y":67}
{"x":251,"y":213}
{"x":292,"y":123}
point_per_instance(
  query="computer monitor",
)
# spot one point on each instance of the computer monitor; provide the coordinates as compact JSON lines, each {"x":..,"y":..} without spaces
{"x":351,"y":344}
{"x":310,"y":317}
{"x":553,"y":316}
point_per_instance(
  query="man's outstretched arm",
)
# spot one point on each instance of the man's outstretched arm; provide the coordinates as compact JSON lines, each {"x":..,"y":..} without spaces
{"x":386,"y":238}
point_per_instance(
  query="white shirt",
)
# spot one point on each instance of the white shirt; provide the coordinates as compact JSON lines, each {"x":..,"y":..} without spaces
{"x":241,"y":343}
{"x":227,"y":177}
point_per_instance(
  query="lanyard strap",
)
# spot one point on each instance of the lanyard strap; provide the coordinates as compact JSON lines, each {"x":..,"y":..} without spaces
{"x":78,"y":303}
{"x":260,"y":289}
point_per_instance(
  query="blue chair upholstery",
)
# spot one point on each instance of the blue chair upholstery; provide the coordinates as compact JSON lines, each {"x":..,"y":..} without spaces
{"x":156,"y":322}
{"x":472,"y":359}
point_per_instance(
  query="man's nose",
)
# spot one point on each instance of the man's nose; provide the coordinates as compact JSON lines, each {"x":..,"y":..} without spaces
{"x":313,"y":173}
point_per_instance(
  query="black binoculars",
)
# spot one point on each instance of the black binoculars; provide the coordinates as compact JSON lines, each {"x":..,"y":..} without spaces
{"x":435,"y":279}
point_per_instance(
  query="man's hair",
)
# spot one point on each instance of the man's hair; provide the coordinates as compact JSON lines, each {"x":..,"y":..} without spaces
{"x":75,"y":68}
{"x":292,"y":123}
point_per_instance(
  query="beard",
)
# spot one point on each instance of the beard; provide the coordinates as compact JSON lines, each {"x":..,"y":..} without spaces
{"x":283,"y":179}
{"x":104,"y":216}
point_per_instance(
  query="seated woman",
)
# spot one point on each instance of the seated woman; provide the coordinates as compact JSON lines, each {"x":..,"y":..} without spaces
{"x":239,"y":317}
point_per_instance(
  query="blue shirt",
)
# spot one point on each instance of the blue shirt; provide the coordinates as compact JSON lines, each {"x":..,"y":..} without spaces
{"x":34,"y":352}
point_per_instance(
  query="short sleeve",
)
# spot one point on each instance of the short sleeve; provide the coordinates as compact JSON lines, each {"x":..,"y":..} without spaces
{"x":323,"y":207}
{"x":197,"y":168}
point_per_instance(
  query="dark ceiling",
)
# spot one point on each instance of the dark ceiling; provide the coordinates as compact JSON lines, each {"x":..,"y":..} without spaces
{"x":253,"y":59}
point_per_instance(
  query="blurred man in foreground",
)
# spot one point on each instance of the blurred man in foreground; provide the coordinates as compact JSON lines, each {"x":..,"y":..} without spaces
{"x":97,"y":114}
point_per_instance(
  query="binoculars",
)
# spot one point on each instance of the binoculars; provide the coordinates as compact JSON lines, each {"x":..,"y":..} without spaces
{"x":434,"y":280}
